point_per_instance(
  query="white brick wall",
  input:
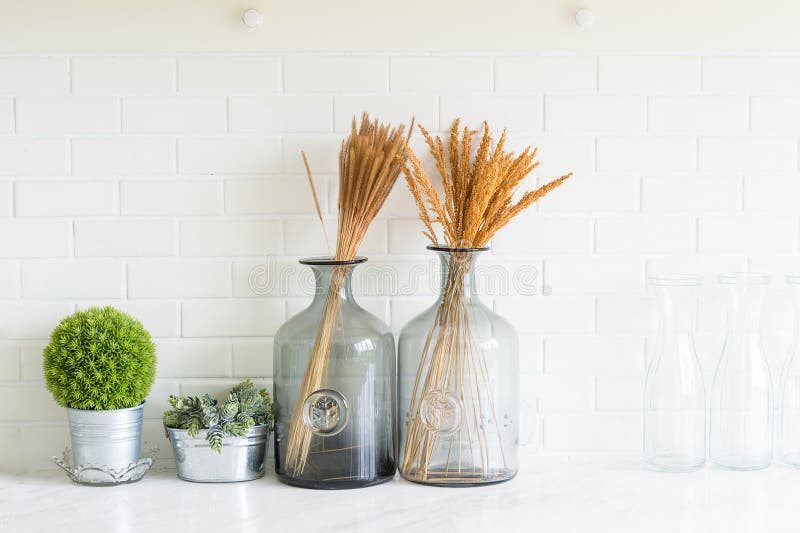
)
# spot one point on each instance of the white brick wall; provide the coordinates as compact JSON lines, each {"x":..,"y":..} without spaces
{"x":6,"y":115}
{"x":123,"y":75}
{"x":198,"y":196}
{"x":546,"y":74}
{"x":517,"y":113}
{"x":158,"y":183}
{"x":174,"y":114}
{"x":775,"y":115}
{"x":721,"y":115}
{"x":27,"y":75}
{"x":595,"y":114}
{"x":123,"y":156}
{"x":33,"y":157}
{"x":445,"y":74}
{"x":753,"y":75}
{"x":48,"y":198}
{"x":335,"y":73}
{"x":391,"y":108}
{"x":229,"y":155}
{"x":65,"y":115}
{"x":62,"y":279}
{"x":647,"y":74}
{"x":226,"y":74}
{"x":124,"y":237}
{"x":183,"y":279}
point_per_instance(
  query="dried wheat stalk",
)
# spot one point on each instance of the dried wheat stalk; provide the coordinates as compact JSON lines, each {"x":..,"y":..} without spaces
{"x":316,"y":200}
{"x":370,"y":161}
{"x":478,"y":201}
{"x":478,"y":192}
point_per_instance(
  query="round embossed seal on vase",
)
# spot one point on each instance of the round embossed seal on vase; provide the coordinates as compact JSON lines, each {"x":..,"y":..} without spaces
{"x":325,"y":412}
{"x":440,"y":411}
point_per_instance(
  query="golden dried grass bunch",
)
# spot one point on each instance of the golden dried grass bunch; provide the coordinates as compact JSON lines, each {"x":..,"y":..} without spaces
{"x":479,"y":196}
{"x":370,"y":161}
{"x":478,"y":191}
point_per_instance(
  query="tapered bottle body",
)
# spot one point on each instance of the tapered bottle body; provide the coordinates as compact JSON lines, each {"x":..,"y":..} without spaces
{"x":741,"y":435}
{"x":458,"y":373}
{"x":337,"y":427}
{"x":674,"y":403}
{"x":788,"y":446}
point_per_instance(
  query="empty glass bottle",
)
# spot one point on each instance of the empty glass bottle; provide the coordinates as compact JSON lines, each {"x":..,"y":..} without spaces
{"x":788,"y":447}
{"x":347,"y":421}
{"x":741,"y":400}
{"x":674,"y":398}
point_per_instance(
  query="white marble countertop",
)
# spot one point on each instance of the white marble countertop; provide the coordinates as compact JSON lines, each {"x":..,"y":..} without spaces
{"x":607,"y":495}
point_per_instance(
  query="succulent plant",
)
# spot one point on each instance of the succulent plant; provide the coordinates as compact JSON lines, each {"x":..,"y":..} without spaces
{"x":244,"y":408}
{"x":100,"y":359}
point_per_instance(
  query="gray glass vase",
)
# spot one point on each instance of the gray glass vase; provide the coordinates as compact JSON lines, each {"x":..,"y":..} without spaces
{"x":458,"y":372}
{"x":334,"y":368}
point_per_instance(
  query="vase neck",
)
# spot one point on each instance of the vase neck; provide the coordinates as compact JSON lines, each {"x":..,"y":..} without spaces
{"x":744,"y":309}
{"x":458,"y":272}
{"x":793,"y":282}
{"x":332,"y":280}
{"x":677,"y":309}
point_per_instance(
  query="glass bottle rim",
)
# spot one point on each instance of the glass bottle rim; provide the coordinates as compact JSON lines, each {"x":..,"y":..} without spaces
{"x":793,"y":278}
{"x":675,"y":280}
{"x":744,"y":278}
{"x":327,"y":260}
{"x":436,"y":248}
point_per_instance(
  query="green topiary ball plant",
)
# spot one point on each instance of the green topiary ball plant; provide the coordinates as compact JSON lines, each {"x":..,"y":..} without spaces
{"x":100,"y":359}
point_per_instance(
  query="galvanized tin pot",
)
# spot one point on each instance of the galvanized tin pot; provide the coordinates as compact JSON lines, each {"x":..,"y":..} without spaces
{"x":110,"y":438}
{"x":242,"y":458}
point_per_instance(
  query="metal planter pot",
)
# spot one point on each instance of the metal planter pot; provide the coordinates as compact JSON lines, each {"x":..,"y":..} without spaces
{"x":111,"y":439}
{"x":242,"y":458}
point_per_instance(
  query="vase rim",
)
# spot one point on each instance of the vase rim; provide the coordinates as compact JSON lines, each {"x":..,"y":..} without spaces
{"x":327,"y":260}
{"x":744,"y":278}
{"x":675,"y":279}
{"x":436,"y":248}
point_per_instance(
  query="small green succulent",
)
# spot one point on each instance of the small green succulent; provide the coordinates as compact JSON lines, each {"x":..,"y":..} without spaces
{"x":244,"y":408}
{"x":100,"y":359}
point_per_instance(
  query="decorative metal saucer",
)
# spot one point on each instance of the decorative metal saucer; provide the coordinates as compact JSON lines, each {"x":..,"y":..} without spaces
{"x":103,"y":476}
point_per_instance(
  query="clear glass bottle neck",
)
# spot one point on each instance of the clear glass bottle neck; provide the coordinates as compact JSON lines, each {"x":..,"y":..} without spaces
{"x":794,"y":290}
{"x":340,"y":276}
{"x":677,"y":308}
{"x":458,"y":270}
{"x":744,"y":308}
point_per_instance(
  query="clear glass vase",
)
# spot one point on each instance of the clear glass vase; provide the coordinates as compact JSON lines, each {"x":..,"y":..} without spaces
{"x":334,"y":379}
{"x":675,"y":401}
{"x":788,"y":446}
{"x":741,"y":400}
{"x":458,"y":372}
